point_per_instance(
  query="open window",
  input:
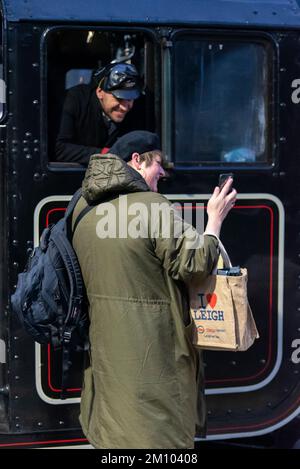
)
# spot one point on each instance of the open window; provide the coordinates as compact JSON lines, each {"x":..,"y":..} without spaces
{"x":72,"y":57}
{"x":221,"y":101}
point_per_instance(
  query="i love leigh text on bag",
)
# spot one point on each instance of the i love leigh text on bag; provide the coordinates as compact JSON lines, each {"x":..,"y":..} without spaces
{"x":220,"y":310}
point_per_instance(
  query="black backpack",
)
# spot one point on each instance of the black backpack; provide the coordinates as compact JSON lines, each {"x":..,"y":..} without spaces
{"x":50,"y":298}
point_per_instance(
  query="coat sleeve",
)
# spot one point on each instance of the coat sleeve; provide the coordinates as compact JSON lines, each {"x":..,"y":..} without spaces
{"x":185,"y":254}
{"x":66,"y":150}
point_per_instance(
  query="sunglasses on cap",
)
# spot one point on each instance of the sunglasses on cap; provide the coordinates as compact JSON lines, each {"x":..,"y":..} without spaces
{"x":121,"y":80}
{"x":119,"y":75}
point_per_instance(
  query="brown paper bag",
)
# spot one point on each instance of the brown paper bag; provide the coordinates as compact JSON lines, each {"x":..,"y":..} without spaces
{"x":221,"y":313}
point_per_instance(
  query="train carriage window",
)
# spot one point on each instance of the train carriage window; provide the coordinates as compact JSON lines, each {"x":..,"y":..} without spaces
{"x":73,"y":54}
{"x":221,"y":101}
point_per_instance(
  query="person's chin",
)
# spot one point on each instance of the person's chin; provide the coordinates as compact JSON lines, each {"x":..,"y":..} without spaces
{"x":118,"y":118}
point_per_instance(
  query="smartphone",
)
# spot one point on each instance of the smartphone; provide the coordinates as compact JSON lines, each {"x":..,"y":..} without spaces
{"x":223,"y":178}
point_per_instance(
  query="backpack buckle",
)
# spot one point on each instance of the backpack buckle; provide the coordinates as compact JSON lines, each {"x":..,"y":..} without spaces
{"x":67,"y":337}
{"x":76,"y":307}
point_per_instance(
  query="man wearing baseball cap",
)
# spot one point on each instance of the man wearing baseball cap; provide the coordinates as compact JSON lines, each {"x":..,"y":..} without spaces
{"x":92,"y":117}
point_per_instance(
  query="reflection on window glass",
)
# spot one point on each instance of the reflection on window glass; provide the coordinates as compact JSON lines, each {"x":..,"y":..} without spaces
{"x":78,"y":76}
{"x":220,"y":101}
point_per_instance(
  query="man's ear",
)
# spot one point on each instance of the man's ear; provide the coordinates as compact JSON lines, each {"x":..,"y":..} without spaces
{"x":99,"y":93}
{"x":135,"y":161}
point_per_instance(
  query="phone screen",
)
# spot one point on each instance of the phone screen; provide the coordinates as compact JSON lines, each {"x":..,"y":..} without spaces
{"x":223,"y":178}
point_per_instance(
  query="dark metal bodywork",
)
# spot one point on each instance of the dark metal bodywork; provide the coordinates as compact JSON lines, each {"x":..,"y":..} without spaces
{"x":250,"y":394}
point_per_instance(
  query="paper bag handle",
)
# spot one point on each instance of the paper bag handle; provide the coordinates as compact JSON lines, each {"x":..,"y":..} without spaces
{"x":225,"y":257}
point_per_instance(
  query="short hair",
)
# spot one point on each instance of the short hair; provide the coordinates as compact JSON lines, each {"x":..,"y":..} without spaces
{"x":149,"y":156}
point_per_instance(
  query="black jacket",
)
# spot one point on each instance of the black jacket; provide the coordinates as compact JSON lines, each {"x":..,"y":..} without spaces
{"x":83,"y":130}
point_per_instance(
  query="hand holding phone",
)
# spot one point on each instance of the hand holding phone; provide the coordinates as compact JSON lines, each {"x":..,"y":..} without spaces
{"x":223,"y":179}
{"x":220,"y":203}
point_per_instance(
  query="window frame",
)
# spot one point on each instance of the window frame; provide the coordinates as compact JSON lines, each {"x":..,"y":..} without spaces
{"x":69,"y":167}
{"x":271,"y":48}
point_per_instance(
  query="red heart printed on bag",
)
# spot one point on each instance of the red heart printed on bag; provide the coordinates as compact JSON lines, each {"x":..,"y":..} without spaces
{"x":211,"y":299}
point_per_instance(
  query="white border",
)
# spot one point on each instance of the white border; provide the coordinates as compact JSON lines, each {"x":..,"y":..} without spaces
{"x":213,"y":391}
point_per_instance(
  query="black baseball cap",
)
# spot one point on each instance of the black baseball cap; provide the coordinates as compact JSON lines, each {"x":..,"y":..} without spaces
{"x":139,"y":141}
{"x":121,"y":80}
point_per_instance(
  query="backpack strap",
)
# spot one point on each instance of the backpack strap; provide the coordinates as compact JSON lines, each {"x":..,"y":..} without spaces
{"x":69,"y":212}
{"x":86,"y":210}
{"x":75,"y":302}
{"x":72,"y":203}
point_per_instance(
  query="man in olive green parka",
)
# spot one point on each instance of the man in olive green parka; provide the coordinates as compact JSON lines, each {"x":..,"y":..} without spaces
{"x":141,"y":390}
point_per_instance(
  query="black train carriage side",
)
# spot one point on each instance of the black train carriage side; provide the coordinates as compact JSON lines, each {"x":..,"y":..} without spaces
{"x":222,"y":86}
